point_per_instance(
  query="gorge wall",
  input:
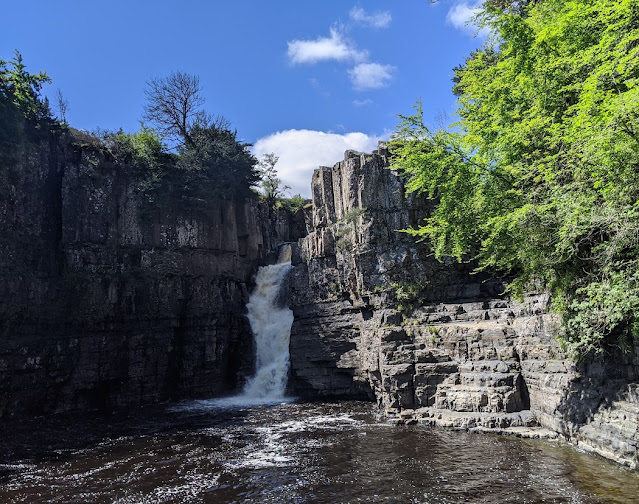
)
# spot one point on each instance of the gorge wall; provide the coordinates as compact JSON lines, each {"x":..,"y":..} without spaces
{"x":377,"y":317}
{"x":102,"y":305}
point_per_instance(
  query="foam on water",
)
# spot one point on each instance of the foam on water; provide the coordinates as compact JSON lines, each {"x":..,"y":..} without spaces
{"x":299,"y":452}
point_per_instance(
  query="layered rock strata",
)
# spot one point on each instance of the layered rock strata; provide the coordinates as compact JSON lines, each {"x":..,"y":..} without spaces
{"x":376,"y":316}
{"x":103,"y":305}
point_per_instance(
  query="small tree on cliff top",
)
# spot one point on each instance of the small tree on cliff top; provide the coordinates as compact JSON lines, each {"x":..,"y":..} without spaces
{"x":21,"y":89}
{"x":271,"y":183}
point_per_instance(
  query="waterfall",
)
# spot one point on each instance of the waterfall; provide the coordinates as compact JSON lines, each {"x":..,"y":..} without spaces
{"x":271,"y":325}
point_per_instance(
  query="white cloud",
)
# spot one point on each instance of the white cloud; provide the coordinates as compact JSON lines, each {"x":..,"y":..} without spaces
{"x":376,"y":20}
{"x":371,"y":75}
{"x":303,"y":151}
{"x":461,"y":17}
{"x":361,"y":103}
{"x":335,"y":47}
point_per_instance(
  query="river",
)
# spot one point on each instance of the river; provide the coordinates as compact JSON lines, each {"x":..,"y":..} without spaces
{"x":341,"y":452}
{"x":260,"y":447}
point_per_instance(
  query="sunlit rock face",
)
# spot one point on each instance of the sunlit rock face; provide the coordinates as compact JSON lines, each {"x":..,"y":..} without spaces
{"x":104,"y":304}
{"x":350,"y":267}
{"x":376,"y":316}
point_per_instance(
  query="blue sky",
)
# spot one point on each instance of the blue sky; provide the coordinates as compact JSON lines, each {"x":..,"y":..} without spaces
{"x":306,"y":80}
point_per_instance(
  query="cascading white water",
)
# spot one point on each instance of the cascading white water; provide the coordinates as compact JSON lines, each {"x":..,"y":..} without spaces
{"x":271,"y":325}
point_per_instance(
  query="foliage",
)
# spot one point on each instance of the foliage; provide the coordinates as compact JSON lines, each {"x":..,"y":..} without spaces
{"x":434,"y":334}
{"x":19,"y":102}
{"x":293,"y":205}
{"x":145,"y":155}
{"x":22,"y":89}
{"x":353,"y":214}
{"x":344,"y":238}
{"x":344,"y":232}
{"x":407,"y":295}
{"x":271,"y":183}
{"x":145,"y":146}
{"x":272,"y":188}
{"x":216,"y":165}
{"x":541,"y":174}
{"x":406,"y":291}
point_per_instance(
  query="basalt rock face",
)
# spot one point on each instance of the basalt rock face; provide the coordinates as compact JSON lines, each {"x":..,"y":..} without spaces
{"x":103,"y":305}
{"x":376,"y":316}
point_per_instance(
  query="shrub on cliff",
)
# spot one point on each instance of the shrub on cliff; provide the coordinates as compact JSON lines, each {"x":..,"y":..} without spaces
{"x":540,"y":176}
{"x":210,"y":162}
{"x":147,"y":159}
{"x":216,"y":165}
{"x":21,"y":90}
{"x":189,"y":160}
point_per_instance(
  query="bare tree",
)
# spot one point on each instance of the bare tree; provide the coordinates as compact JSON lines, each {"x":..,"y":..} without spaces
{"x":173,"y":105}
{"x":62,"y":104}
{"x":204,"y":120}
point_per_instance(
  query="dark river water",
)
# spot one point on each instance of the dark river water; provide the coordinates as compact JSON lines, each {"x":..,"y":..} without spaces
{"x":307,"y":453}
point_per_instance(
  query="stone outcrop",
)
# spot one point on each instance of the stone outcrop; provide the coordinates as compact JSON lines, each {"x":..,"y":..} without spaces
{"x":376,"y":316}
{"x":102,"y":305}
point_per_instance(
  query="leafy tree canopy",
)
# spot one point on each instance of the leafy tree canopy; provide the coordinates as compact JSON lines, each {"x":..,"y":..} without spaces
{"x":218,"y":163}
{"x":271,"y":184}
{"x":22,"y":89}
{"x":540,"y":175}
{"x":20,"y":100}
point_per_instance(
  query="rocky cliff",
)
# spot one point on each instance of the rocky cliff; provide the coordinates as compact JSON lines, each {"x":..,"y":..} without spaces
{"x":376,"y":316}
{"x":103,"y":305}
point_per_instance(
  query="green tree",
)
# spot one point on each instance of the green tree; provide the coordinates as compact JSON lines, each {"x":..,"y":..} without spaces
{"x":271,"y":183}
{"x":19,"y":101}
{"x":217,"y":164}
{"x":540,"y":176}
{"x":22,"y":89}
